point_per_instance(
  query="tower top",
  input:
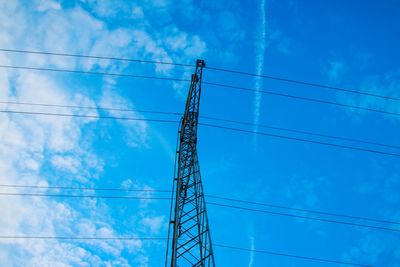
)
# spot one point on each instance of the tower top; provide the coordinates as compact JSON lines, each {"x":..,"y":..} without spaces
{"x":200,"y":63}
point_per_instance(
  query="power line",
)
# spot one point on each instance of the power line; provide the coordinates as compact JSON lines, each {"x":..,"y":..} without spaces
{"x":96,"y":57}
{"x":204,"y":82}
{"x":301,"y":132}
{"x":86,"y":116}
{"x":163,"y":238}
{"x":304,"y":217}
{"x":81,"y":238}
{"x":207,"y":125}
{"x":210,"y":68}
{"x":291,"y":255}
{"x":208,"y":203}
{"x":303,"y":210}
{"x":87,"y":107}
{"x":302,"y":98}
{"x":208,"y":196}
{"x":204,"y":117}
{"x":300,"y":139}
{"x":85,"y":188}
{"x":335,"y":88}
{"x":96,"y":73}
{"x":82,"y":196}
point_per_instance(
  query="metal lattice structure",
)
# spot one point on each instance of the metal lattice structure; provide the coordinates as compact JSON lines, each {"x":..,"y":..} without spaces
{"x":191,"y":241}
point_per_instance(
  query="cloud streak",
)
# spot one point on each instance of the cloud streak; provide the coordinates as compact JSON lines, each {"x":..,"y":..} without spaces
{"x":260,"y":53}
{"x":252,"y":254}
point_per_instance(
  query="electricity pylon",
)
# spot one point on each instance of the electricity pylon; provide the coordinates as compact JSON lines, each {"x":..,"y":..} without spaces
{"x":191,"y":241}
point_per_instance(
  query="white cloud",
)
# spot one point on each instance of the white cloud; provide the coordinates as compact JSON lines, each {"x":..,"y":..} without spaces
{"x":135,"y":130}
{"x":387,"y":84}
{"x":152,"y":50}
{"x":66,"y":163}
{"x":65,"y":145}
{"x":28,"y":142}
{"x":107,"y":8}
{"x":371,"y":248}
{"x":281,"y":41}
{"x":137,"y":185}
{"x":44,"y":5}
{"x":335,"y":71}
{"x":178,"y":41}
{"x":137,"y":12}
{"x":154,"y":223}
{"x":62,"y":31}
{"x":252,"y":254}
{"x":305,"y":189}
{"x":260,"y":53}
{"x":196,"y":47}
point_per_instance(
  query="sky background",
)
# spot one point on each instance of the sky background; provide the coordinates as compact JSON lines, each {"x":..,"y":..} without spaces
{"x":352,"y":45}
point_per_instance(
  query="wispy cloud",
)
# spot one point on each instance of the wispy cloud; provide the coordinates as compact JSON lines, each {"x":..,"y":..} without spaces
{"x":386,"y":84}
{"x":252,"y":247}
{"x":336,"y":70}
{"x":42,"y":150}
{"x":260,"y":53}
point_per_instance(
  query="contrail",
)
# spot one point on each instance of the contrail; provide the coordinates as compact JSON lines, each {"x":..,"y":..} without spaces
{"x":252,"y":254}
{"x":260,"y":53}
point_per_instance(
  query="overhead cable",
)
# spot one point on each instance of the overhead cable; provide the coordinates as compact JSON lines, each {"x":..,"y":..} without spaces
{"x":288,"y":80}
{"x":96,"y":57}
{"x":302,"y":132}
{"x":84,"y":188}
{"x":96,"y":107}
{"x":207,"y":196}
{"x":207,"y":125}
{"x":300,"y":139}
{"x":303,"y":210}
{"x":303,"y":217}
{"x":86,"y":116}
{"x":96,"y":73}
{"x":314,"y":100}
{"x":81,"y":196}
{"x":208,"y":203}
{"x":78,"y":238}
{"x":329,"y":87}
{"x":291,"y":255}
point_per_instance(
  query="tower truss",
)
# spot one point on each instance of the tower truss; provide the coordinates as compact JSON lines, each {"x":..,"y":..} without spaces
{"x":191,"y":241}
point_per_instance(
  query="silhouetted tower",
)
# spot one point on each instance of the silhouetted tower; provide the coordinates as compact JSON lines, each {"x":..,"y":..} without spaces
{"x":191,"y":241}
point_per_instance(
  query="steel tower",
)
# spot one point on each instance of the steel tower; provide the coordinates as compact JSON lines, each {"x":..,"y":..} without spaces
{"x":191,"y":241}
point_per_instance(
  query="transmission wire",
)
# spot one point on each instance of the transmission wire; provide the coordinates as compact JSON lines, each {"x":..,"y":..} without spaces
{"x":96,"y":73}
{"x":301,"y":98}
{"x":207,"y":195}
{"x":207,"y":125}
{"x":205,"y":82}
{"x":209,"y":203}
{"x":81,"y":196}
{"x":204,"y":117}
{"x":303,"y":217}
{"x":207,"y":67}
{"x":300,"y":139}
{"x":291,"y":255}
{"x":96,"y":57}
{"x":86,"y":116}
{"x":329,"y":87}
{"x":163,"y":238}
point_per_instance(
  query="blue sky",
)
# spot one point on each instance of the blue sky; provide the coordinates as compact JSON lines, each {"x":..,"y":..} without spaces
{"x":352,"y":45}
